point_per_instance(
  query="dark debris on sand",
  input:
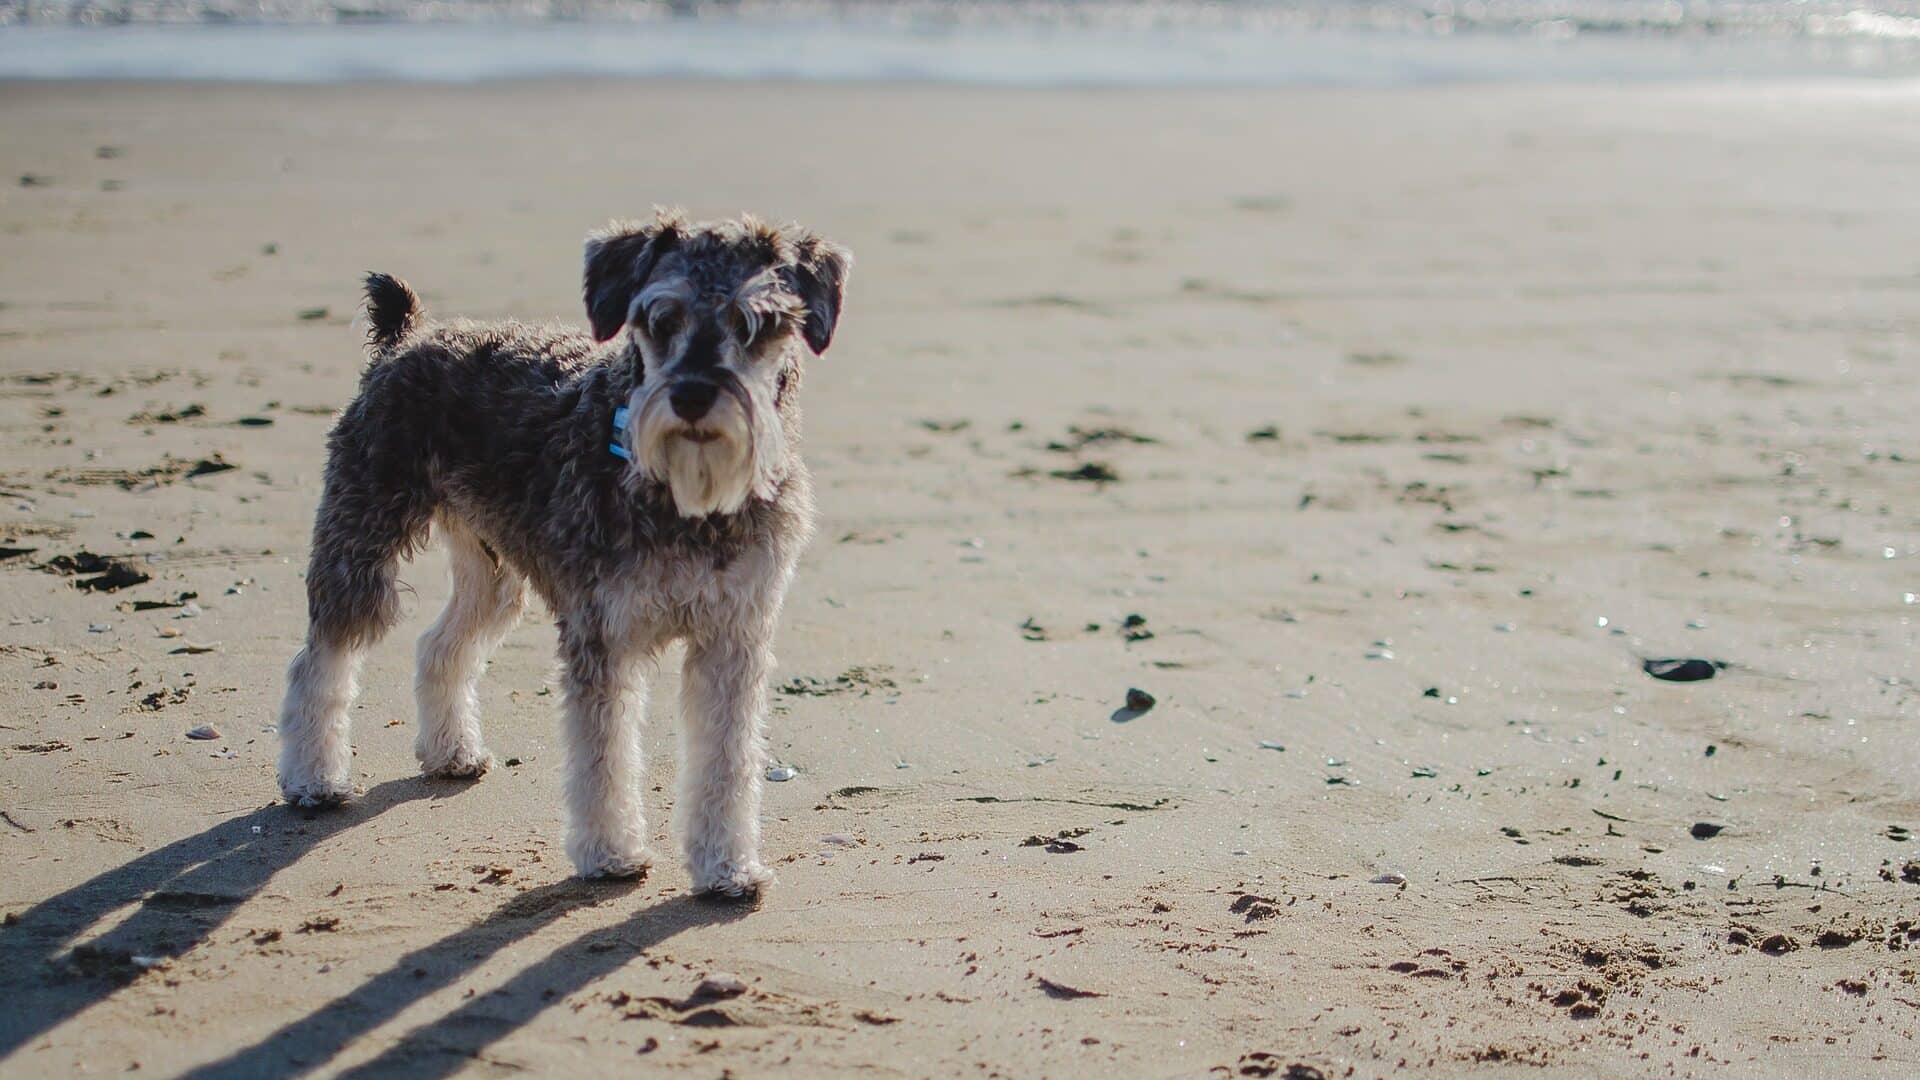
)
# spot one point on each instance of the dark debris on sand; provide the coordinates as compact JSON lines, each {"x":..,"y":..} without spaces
{"x":1079,"y":438}
{"x":1093,"y":472}
{"x":103,"y":573}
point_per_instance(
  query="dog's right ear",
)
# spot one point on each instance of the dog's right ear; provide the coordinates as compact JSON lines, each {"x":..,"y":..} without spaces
{"x":619,"y":259}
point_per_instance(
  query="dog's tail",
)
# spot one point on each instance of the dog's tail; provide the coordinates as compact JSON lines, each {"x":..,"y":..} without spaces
{"x":393,"y":310}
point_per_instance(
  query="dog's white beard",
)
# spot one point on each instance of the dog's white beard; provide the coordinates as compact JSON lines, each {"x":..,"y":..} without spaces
{"x":706,"y":478}
{"x":712,"y":477}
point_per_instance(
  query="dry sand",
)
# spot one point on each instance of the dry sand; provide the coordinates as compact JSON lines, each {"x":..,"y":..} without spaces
{"x":1557,"y":379}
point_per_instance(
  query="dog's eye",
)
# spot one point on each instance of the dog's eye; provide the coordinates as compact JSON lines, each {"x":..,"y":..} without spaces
{"x":664,"y":324}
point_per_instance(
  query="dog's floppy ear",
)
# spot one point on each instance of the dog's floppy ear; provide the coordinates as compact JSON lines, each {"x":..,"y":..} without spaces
{"x":619,"y":259}
{"x":819,"y":277}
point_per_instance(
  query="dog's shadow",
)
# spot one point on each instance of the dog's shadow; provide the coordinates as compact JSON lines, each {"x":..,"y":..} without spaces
{"x":188,"y":889}
{"x":451,"y":1043}
{"x":184,"y":891}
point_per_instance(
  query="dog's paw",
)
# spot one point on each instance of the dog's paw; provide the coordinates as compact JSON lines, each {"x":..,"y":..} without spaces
{"x":731,"y":882}
{"x":603,"y":863}
{"x":316,"y":794}
{"x":460,"y":764}
{"x":619,"y":867}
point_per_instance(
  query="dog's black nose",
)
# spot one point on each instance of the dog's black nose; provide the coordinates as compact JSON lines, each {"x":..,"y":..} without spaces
{"x":692,"y":399}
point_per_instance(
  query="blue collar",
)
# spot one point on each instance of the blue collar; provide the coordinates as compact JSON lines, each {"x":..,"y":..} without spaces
{"x":619,"y":425}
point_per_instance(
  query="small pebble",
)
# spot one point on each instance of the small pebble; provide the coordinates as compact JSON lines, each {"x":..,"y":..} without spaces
{"x":1269,"y":744}
{"x":1704,"y":830}
{"x":720,"y":985}
{"x":839,"y":840}
{"x":1393,"y":877}
{"x":1139,"y":700}
{"x":1689,"y":670}
{"x":204,"y":731}
{"x":780,"y":774}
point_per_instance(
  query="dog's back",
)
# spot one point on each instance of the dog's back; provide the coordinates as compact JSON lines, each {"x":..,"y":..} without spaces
{"x":440,"y":405}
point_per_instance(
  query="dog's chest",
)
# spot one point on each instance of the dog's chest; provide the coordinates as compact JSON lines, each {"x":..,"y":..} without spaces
{"x":677,"y":593}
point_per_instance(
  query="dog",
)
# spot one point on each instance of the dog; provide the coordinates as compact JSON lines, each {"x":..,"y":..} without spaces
{"x":644,"y":480}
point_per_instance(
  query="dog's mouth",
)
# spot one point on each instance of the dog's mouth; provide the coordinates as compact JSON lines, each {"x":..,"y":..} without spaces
{"x":698,"y":435}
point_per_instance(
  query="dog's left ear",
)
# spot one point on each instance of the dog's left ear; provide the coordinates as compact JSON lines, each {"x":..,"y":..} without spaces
{"x":619,"y":259}
{"x":819,"y":277}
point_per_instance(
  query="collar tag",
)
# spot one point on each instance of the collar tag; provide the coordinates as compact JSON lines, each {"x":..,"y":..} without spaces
{"x":620,"y":425}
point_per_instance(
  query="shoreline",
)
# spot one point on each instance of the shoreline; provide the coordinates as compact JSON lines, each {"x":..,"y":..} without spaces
{"x":873,"y":52}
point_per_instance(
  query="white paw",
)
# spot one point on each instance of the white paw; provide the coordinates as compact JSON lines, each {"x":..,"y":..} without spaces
{"x":614,"y":867}
{"x":314,"y":794}
{"x":460,"y":762}
{"x":594,"y":861}
{"x":736,"y":881}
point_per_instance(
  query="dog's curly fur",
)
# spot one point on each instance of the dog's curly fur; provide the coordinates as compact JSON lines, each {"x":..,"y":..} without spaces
{"x":497,"y":436}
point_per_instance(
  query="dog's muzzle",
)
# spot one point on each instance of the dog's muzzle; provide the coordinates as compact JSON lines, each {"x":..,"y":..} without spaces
{"x":695,"y":435}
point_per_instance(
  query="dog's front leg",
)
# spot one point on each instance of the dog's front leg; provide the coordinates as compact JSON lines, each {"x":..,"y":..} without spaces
{"x":723,"y":756}
{"x":605,"y":689}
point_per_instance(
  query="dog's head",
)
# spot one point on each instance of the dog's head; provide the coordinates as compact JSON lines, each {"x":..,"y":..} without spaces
{"x":718,"y":317}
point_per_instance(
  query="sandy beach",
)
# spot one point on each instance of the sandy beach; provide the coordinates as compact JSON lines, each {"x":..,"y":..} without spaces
{"x":1379,"y":435}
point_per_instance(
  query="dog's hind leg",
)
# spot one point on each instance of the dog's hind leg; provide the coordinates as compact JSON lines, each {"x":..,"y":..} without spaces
{"x":487,"y":599}
{"x":359,"y":537}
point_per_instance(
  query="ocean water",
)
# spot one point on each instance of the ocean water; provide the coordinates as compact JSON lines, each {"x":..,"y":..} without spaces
{"x":1015,"y":43}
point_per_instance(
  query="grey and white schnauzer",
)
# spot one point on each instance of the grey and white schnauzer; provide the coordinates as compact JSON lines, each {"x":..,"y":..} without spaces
{"x":646,"y":481}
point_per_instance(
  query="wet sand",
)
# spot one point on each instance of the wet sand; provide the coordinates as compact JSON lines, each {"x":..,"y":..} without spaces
{"x":1430,"y":415}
